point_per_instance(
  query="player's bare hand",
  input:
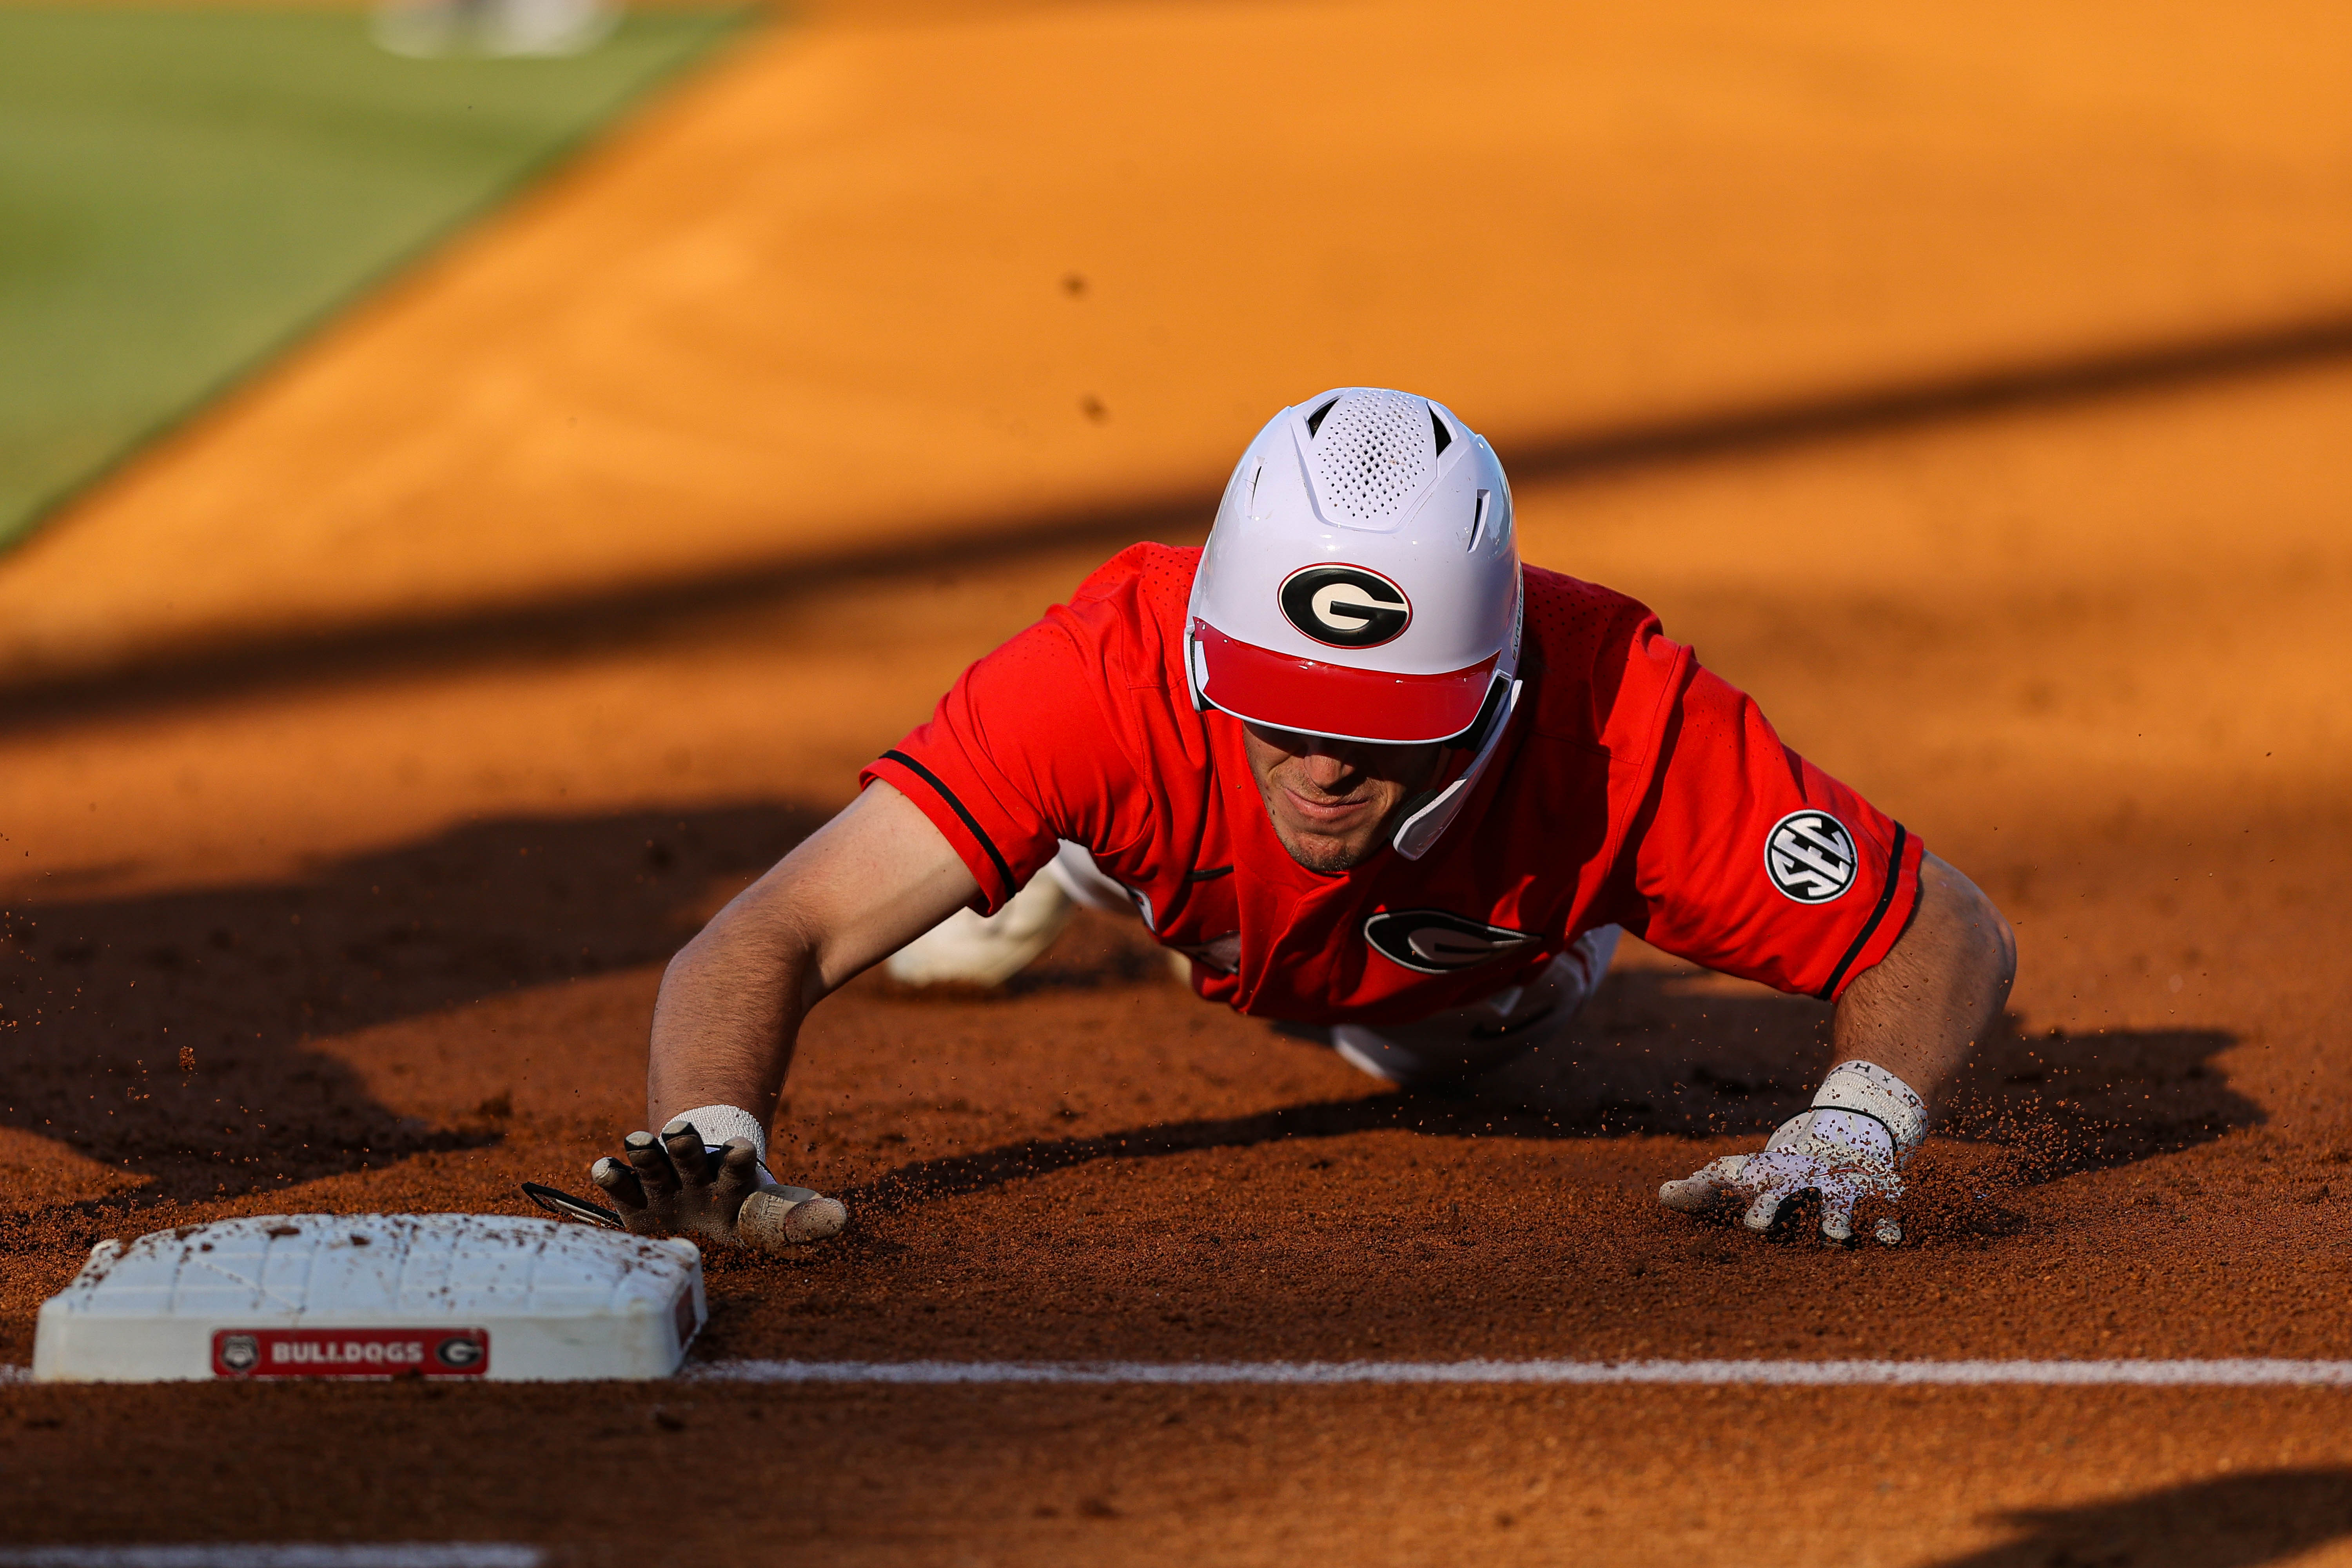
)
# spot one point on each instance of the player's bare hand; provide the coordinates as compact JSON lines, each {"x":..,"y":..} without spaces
{"x":677,"y":1185}
{"x":1847,"y":1159}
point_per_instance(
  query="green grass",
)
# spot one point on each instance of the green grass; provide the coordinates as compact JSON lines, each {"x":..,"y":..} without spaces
{"x":184,"y":191}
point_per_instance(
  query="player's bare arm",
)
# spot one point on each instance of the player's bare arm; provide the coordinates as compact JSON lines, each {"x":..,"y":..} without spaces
{"x":1919,"y":1010}
{"x":730,"y":1014}
{"x":1902,"y":1029}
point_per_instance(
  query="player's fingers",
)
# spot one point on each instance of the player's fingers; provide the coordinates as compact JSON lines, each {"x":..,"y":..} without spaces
{"x":620,"y":1183}
{"x":1693,"y":1192}
{"x":1699,"y":1188}
{"x":687,"y":1152}
{"x":1761,"y":1213}
{"x":739,"y":1171}
{"x":1875,"y":1213}
{"x":1837,"y":1217}
{"x":654,"y":1169}
{"x":770,"y":1219}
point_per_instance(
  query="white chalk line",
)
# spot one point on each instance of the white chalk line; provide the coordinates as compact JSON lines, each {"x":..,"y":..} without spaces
{"x":2219,"y":1372}
{"x":233,"y":1554}
{"x":2225,"y":1373}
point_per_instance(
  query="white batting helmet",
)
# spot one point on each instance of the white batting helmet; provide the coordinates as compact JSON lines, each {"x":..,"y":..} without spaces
{"x":1362,"y":583}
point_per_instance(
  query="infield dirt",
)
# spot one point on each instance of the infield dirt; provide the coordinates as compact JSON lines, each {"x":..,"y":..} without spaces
{"x":334,"y":896}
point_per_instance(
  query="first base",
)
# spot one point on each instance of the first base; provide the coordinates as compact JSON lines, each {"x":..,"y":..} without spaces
{"x":454,"y":1296}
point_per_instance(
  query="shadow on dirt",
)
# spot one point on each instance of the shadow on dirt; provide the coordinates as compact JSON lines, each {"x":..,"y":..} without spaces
{"x":277,"y":659}
{"x":1685,"y":1054}
{"x":164,"y":1034}
{"x":2235,"y":1521}
{"x":1693,"y":1055}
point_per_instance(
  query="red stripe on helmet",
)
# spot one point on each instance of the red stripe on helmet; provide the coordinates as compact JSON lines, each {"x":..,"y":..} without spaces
{"x":1336,"y":700}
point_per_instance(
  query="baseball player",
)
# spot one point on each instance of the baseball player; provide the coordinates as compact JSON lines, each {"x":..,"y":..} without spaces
{"x":1369,"y":773}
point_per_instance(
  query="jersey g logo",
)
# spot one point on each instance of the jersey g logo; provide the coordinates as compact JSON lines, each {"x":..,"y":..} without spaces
{"x":1809,"y":857}
{"x":1436,"y":942}
{"x":1345,"y":606}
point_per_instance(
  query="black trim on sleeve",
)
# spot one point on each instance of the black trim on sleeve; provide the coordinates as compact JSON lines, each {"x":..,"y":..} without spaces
{"x":1209,"y":875}
{"x":1870,"y":927}
{"x":1004,"y":871}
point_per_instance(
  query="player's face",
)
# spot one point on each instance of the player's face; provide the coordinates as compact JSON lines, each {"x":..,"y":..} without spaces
{"x":1332,"y":801}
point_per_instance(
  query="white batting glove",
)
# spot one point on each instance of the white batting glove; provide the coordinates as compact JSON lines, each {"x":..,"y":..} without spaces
{"x":1864,"y":1124}
{"x":678,"y":1184}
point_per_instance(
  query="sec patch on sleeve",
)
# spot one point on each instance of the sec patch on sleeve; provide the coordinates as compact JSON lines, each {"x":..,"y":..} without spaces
{"x":1809,"y":857}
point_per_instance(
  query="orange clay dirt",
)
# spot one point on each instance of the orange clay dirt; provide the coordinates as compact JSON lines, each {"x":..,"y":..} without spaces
{"x":368,"y":750}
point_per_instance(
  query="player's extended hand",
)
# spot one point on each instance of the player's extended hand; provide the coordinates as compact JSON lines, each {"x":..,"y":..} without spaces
{"x":1845,"y":1157}
{"x":676,"y":1186}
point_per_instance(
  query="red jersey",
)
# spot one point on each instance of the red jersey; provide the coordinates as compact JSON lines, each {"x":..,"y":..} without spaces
{"x":1631,"y":787}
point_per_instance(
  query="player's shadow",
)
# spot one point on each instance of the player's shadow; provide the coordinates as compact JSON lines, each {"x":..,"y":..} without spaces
{"x":1686,"y":1053}
{"x":2231,"y":1521}
{"x":166,"y":1034}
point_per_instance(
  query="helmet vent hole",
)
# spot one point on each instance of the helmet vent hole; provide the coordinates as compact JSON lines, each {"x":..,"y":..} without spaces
{"x":1445,"y":436}
{"x":1315,"y":420}
{"x":1381,"y":450}
{"x":1479,"y":524}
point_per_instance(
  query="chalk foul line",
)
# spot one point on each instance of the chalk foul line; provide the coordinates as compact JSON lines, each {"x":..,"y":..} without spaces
{"x":2221,"y":1372}
{"x":2224,"y":1372}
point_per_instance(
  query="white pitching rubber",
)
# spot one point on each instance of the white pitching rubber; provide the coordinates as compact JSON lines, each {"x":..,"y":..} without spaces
{"x":374,"y":1296}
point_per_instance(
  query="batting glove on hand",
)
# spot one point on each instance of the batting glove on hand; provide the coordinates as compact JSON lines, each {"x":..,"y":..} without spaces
{"x":677,"y":1184}
{"x":1864,"y":1124}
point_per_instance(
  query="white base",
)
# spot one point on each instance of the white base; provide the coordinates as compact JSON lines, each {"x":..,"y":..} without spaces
{"x":339,"y":1295}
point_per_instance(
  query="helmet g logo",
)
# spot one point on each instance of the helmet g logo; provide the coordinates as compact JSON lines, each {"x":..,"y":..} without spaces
{"x":1345,"y":606}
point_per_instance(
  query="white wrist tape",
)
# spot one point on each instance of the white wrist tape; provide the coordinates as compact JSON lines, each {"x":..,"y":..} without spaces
{"x":722,"y":1123}
{"x":1866,"y":1088}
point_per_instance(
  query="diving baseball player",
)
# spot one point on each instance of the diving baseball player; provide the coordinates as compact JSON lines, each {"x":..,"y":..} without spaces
{"x":1368,"y":772}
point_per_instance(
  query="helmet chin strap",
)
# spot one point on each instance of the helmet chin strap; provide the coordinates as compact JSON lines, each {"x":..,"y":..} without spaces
{"x":1431,"y":815}
{"x":1195,"y":685}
